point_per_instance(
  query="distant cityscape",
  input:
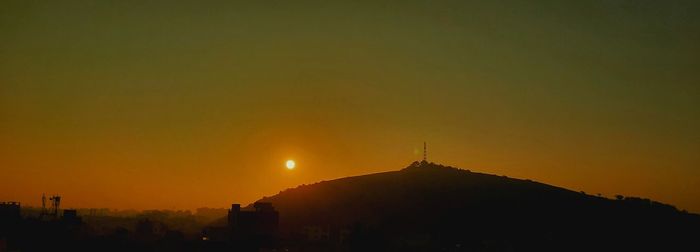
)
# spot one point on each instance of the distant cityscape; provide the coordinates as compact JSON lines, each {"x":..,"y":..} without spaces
{"x":255,"y":228}
{"x":422,"y":207}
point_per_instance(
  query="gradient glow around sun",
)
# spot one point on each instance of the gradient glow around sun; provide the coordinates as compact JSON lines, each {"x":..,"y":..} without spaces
{"x":291,"y":164}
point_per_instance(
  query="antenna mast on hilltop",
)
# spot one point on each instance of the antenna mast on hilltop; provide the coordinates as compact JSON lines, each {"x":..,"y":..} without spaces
{"x":425,"y":152}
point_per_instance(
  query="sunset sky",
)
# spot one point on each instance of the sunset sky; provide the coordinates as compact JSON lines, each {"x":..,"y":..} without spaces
{"x":179,"y":105}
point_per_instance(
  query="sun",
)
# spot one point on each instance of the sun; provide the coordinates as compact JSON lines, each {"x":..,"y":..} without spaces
{"x":291,"y":164}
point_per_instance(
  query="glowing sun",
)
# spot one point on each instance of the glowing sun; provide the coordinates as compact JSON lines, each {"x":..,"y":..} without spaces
{"x":290,"y":164}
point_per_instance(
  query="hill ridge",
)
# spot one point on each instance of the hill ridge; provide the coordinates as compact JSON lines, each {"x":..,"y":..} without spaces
{"x":458,"y":206}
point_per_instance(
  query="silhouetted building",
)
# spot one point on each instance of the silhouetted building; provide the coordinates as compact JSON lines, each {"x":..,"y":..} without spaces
{"x":246,"y":230}
{"x":10,"y":216}
{"x":263,"y":221}
{"x":10,"y":219}
{"x":10,"y":211}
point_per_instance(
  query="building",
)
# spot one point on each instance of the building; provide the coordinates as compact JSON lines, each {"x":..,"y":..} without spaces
{"x":257,"y":227}
{"x":10,"y":218}
{"x":262,"y":221}
{"x":10,"y":211}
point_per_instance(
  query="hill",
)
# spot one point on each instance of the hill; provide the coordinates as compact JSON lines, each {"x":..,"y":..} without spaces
{"x":433,"y":207}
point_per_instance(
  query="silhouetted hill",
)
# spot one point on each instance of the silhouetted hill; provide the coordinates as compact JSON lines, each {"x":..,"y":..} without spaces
{"x":432,"y":207}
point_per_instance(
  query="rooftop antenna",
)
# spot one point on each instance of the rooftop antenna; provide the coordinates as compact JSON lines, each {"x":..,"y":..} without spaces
{"x":43,"y":206}
{"x":425,"y":152}
{"x":55,"y":204}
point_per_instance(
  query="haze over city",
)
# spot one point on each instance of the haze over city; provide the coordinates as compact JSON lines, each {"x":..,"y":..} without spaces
{"x":180,"y":105}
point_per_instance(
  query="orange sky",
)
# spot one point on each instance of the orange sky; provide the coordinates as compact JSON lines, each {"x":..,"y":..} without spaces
{"x":139,"y":105}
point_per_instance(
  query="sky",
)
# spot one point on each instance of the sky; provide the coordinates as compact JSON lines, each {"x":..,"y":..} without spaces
{"x":187,"y":104}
